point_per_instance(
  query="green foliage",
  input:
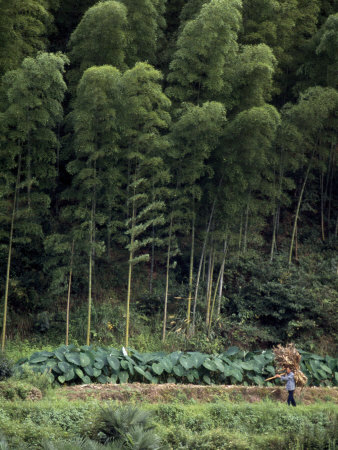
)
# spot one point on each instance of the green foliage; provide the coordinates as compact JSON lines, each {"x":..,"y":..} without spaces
{"x":100,"y":38}
{"x":145,"y":28}
{"x":264,"y":425}
{"x":23,"y":31}
{"x":288,"y":304}
{"x":12,"y":389}
{"x":126,"y":426}
{"x":6,"y":367}
{"x":40,"y":380}
{"x":63,"y":425}
{"x":203,"y":49}
{"x":85,"y":365}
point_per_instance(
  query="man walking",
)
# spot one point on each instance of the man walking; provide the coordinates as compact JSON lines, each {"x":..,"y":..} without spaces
{"x":290,"y":385}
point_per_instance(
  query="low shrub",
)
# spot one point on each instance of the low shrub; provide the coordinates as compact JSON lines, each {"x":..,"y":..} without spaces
{"x":127,"y":426}
{"x":18,"y":390}
{"x":6,"y":367}
{"x":42,"y":381}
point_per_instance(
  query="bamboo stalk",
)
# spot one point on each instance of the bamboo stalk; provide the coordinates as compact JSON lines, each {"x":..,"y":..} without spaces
{"x":210,"y":280}
{"x":275,"y":376}
{"x":69,"y":289}
{"x":167,"y":282}
{"x":4,"y":322}
{"x":131,"y":256}
{"x":90,"y":276}
{"x":202,"y":255}
{"x":191,"y":269}
{"x":214,"y":300}
{"x":221,"y":280}
{"x":297,"y":212}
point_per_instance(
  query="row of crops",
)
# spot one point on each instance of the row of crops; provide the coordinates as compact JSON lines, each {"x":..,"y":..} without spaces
{"x":76,"y":365}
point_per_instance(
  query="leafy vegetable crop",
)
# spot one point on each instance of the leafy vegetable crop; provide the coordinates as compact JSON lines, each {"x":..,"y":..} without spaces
{"x":76,"y":365}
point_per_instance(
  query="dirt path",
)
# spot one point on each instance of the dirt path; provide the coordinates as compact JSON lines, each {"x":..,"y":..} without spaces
{"x":170,"y":392}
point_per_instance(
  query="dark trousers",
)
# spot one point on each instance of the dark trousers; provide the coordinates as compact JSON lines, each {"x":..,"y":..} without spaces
{"x":291,"y":400}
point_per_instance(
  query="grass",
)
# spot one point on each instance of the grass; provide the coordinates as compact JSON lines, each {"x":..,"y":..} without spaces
{"x":190,"y":424}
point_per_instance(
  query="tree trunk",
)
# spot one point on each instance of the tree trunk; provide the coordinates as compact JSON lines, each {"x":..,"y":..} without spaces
{"x":214,"y":300}
{"x":240,"y":235}
{"x":131,"y":256}
{"x":9,"y":258}
{"x":322,"y":224}
{"x":277,"y":210}
{"x":297,"y":212}
{"x":69,"y":289}
{"x":221,"y":280}
{"x":90,"y":275}
{"x":273,"y":242}
{"x":167,"y":282}
{"x":202,"y":255}
{"x":330,"y":189}
{"x":151,"y":275}
{"x":210,"y":282}
{"x":191,"y":270}
{"x":245,"y":240}
{"x":200,"y":264}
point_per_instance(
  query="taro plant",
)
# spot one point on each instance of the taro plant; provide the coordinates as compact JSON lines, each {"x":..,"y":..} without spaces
{"x":75,"y":365}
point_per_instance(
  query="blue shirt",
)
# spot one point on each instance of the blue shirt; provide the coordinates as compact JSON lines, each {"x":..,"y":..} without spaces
{"x":290,"y":381}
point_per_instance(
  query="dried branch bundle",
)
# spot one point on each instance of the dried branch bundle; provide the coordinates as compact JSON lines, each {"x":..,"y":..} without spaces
{"x":289,"y":357}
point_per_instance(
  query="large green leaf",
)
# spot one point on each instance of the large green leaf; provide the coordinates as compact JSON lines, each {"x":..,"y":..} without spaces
{"x":124,"y":365}
{"x":157,"y":368}
{"x":231,"y":351}
{"x":237,"y":374}
{"x":86,"y":380}
{"x":113,"y":378}
{"x":70,"y":375}
{"x":144,"y":373}
{"x":219,"y":364}
{"x":258,"y":380}
{"x":61,"y":379}
{"x":123,"y":376}
{"x":73,"y":358}
{"x":99,"y":363}
{"x":79,"y":372}
{"x":84,"y":359}
{"x":197,"y":359}
{"x":103,"y":379}
{"x":96,"y":372}
{"x":210,"y":365}
{"x":190,"y":377}
{"x":326,"y":368}
{"x":113,"y":362}
{"x":187,"y":362}
{"x":37,"y":358}
{"x":60,"y":354}
{"x":167,"y":364}
{"x":89,"y":371}
{"x":64,"y":366}
{"x":178,"y":370}
{"x":206,"y":379}
{"x":270,"y":369}
{"x":174,"y":357}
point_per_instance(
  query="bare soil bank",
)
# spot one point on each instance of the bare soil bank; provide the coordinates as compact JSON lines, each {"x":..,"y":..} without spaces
{"x":153,"y":393}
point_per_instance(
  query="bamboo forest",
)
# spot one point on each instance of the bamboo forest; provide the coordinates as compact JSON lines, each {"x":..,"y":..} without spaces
{"x":168,"y":217}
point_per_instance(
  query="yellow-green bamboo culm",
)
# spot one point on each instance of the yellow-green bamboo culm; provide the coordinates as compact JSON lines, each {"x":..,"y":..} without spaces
{"x":4,"y":322}
{"x":69,"y":289}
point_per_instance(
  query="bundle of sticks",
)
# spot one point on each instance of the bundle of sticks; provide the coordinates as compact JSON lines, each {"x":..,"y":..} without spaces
{"x":288,"y":357}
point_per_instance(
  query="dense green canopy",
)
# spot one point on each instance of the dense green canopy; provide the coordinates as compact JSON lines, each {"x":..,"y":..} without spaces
{"x":179,"y":135}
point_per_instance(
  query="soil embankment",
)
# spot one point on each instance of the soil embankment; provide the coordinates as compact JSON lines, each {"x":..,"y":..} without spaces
{"x":154,"y":393}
